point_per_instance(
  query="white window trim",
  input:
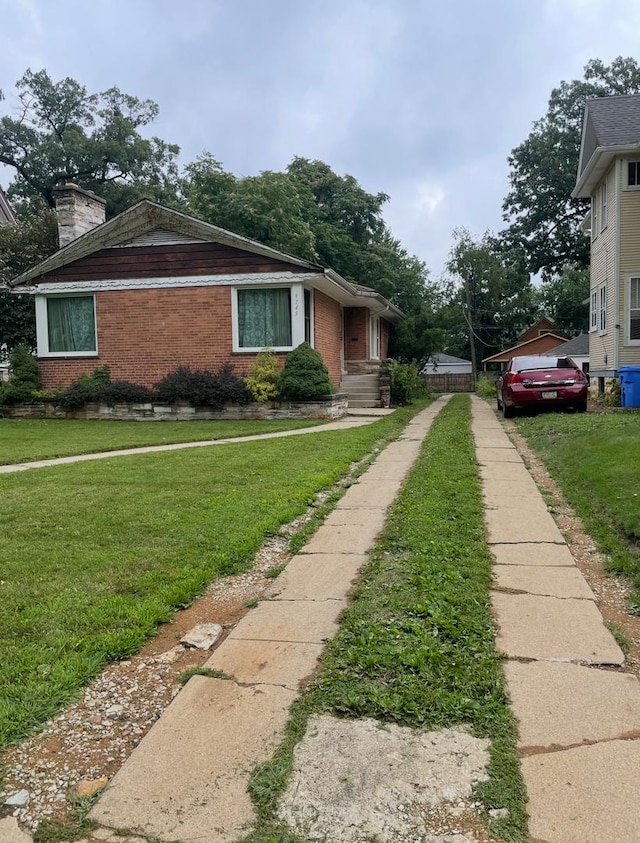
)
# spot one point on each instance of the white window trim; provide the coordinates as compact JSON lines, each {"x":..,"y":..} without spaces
{"x":627,"y":310}
{"x":42,"y":328}
{"x":604,"y":215}
{"x":593,"y":311}
{"x":297,"y":318}
{"x":595,"y":217}
{"x":628,"y":186}
{"x":602,"y":311}
{"x":312,"y":316}
{"x":374,"y":338}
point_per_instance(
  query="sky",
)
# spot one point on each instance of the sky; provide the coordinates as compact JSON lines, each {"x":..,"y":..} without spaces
{"x":418,"y":99}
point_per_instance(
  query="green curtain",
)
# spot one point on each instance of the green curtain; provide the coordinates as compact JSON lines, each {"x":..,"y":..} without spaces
{"x":71,"y":324}
{"x":264,"y":318}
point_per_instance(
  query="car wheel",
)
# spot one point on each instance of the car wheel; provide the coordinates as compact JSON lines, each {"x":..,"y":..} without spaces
{"x":581,"y":408}
{"x":508,"y":412}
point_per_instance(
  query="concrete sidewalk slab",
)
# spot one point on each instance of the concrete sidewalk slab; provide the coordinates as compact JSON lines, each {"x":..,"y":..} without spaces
{"x":487,"y":455}
{"x":516,"y":507}
{"x":585,"y":795}
{"x":218,"y":732}
{"x":302,"y":621}
{"x":535,"y":526}
{"x":356,"y":517}
{"x":343,"y":539}
{"x":266,"y":662}
{"x":534,"y":627}
{"x":534,"y":553}
{"x":10,"y":832}
{"x":317,"y":576}
{"x":553,"y":582}
{"x":489,"y":438}
{"x":370,"y":493}
{"x":566,"y":704}
{"x":505,"y":471}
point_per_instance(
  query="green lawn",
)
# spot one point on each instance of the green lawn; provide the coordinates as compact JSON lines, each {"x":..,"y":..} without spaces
{"x":25,"y":440}
{"x":595,"y":458}
{"x":416,"y":646}
{"x":94,"y":555}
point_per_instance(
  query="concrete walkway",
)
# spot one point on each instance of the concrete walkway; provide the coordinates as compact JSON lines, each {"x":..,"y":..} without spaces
{"x":187,"y":780}
{"x":579,"y":722}
{"x":354,"y":419}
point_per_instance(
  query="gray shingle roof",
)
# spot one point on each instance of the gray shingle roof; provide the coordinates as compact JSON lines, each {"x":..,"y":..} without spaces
{"x":578,"y":345}
{"x":615,"y":120}
{"x":440,"y":359}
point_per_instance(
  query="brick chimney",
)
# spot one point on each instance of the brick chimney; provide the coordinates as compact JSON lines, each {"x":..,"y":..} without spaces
{"x":78,"y":211}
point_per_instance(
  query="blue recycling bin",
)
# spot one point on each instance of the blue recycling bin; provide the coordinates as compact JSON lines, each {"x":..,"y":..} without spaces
{"x":630,"y":385}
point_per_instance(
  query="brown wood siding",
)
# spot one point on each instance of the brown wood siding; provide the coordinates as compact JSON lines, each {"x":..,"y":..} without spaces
{"x":165,"y":261}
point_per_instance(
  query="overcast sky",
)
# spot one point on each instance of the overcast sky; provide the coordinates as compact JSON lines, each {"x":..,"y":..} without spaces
{"x":419,"y":99}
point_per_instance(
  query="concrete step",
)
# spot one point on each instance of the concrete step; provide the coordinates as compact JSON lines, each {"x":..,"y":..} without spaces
{"x":363,"y":402}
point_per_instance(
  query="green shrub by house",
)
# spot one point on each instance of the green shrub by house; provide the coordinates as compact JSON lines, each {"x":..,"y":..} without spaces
{"x":407,"y":383}
{"x":262,"y":379}
{"x":98,"y":387}
{"x":304,"y":375}
{"x":25,"y":377}
{"x":203,"y":388}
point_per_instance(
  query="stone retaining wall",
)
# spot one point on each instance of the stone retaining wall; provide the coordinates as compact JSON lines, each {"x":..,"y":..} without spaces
{"x":330,"y":407}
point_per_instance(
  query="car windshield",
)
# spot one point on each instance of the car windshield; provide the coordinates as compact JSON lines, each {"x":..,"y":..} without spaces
{"x":526,"y":364}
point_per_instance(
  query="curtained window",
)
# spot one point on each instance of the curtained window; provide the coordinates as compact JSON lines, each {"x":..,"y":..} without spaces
{"x":264,"y":318}
{"x":71,"y":324}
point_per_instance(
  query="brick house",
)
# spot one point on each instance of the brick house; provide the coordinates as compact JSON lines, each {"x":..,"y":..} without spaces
{"x":153,"y":288}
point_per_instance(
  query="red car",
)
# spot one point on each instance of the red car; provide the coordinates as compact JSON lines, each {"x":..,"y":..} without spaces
{"x":541,"y":383}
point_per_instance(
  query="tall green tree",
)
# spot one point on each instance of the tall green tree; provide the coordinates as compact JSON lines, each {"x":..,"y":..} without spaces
{"x":543,"y":219}
{"x":60,"y":132}
{"x":565,"y":297}
{"x":21,"y":246}
{"x":489,"y":296}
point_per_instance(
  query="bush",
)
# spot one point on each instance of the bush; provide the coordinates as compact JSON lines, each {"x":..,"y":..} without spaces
{"x":24,"y":377}
{"x":304,"y":375}
{"x":99,"y":388}
{"x":407,"y":383}
{"x":486,"y":387}
{"x":263,"y":376}
{"x":203,"y":388}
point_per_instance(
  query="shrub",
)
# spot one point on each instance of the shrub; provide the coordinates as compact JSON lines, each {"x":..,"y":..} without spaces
{"x":203,"y":388}
{"x":263,"y":376}
{"x":407,"y":383}
{"x":98,"y":387}
{"x":24,"y":380}
{"x":486,"y":387}
{"x":304,"y":375}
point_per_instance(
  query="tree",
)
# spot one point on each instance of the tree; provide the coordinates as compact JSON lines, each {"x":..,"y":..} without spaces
{"x":490,"y":298}
{"x":544,"y":220}
{"x":565,"y":297}
{"x":63,"y":133}
{"x":21,"y":246}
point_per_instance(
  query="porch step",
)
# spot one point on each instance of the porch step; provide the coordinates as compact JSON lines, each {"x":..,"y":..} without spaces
{"x":363,"y":390}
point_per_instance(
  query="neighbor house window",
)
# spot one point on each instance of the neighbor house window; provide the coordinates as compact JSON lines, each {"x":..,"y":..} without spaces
{"x":633,"y":173}
{"x":594,"y":216}
{"x":603,"y":206}
{"x":602,"y":308}
{"x":634,"y":311}
{"x":593,"y":313}
{"x":66,"y":326}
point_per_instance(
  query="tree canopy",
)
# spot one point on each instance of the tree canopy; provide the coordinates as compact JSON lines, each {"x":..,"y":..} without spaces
{"x":63,"y":133}
{"x":544,"y":220}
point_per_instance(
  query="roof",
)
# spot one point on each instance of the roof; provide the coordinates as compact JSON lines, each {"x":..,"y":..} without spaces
{"x":544,"y":318}
{"x":611,"y":126}
{"x":441,"y":359}
{"x":521,"y":348}
{"x":578,"y":346}
{"x":7,"y":214}
{"x":147,"y":216}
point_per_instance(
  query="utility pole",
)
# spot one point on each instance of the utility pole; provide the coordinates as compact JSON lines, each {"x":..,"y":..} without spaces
{"x":472,"y":339}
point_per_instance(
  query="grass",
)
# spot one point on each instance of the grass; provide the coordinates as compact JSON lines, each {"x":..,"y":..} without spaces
{"x":416,"y":646}
{"x":25,"y":440}
{"x":95,"y":555}
{"x":594,"y":458}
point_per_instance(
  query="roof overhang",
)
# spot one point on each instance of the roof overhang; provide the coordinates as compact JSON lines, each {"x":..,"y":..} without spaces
{"x":598,"y":165}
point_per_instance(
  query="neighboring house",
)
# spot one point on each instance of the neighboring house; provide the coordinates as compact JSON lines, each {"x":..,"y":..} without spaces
{"x":7,"y":214}
{"x":609,"y":175}
{"x":537,"y":339}
{"x":446,"y":364}
{"x":153,"y":289}
{"x":577,"y":349}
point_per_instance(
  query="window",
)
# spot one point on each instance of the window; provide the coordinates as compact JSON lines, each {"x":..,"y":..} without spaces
{"x":602,"y":309}
{"x":375,"y":337}
{"x":264,"y":318}
{"x":633,"y":173}
{"x":634,"y":311}
{"x":308,"y":318}
{"x":66,"y":326}
{"x":603,"y":206}
{"x":593,"y":313}
{"x":594,"y":216}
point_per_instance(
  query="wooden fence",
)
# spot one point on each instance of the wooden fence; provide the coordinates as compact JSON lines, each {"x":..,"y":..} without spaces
{"x":450,"y":383}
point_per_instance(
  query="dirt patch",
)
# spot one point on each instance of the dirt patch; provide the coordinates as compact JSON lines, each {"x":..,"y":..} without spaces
{"x":356,"y":781}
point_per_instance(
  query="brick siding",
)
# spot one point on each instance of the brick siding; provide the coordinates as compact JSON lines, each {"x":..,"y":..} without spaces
{"x":327,"y":325}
